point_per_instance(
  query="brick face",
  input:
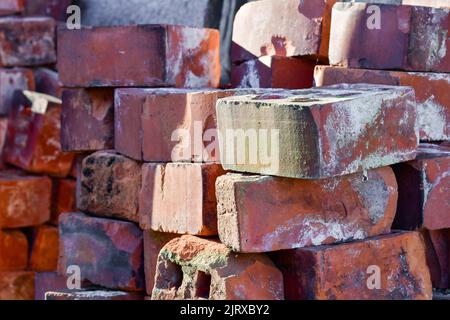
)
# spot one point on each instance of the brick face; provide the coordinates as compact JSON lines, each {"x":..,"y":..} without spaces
{"x":44,"y":249}
{"x":13,"y":250}
{"x":12,"y":80}
{"x":16,"y":285}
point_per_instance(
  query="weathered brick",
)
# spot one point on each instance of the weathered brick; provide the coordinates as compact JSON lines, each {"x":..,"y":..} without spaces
{"x":34,"y":143}
{"x":169,"y":125}
{"x":342,"y":272}
{"x":87,"y":119}
{"x":63,"y":198}
{"x":274,"y":72}
{"x":51,"y":8}
{"x":428,"y":3}
{"x":12,"y":80}
{"x":13,"y":250}
{"x":408,"y":37}
{"x":303,"y":213}
{"x":51,"y":281}
{"x":93,"y":294}
{"x":27,"y":41}
{"x":9,"y":7}
{"x":44,"y":249}
{"x":195,"y":268}
{"x":424,"y":189}
{"x":438,"y":256}
{"x":24,"y":200}
{"x":318,"y":133}
{"x":108,"y":185}
{"x":432,"y":93}
{"x":283,"y":28}
{"x":16,"y":285}
{"x":162,"y":56}
{"x":108,"y":252}
{"x":153,"y":243}
{"x":194,"y":209}
{"x":47,"y":82}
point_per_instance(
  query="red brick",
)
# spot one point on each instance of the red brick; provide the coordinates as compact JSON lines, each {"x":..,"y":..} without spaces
{"x":51,"y":281}
{"x":12,"y":80}
{"x":153,"y":243}
{"x":47,"y":82}
{"x":27,"y":41}
{"x":50,"y":8}
{"x":318,"y":133}
{"x":274,"y":72}
{"x":9,"y":7}
{"x":44,"y":249}
{"x":424,"y":189}
{"x":63,"y":199}
{"x":341,"y":272}
{"x":3,"y":131}
{"x":283,"y":28}
{"x":169,"y":125}
{"x":193,"y":210}
{"x":432,"y":93}
{"x":409,"y":38}
{"x":94,"y":294}
{"x":87,"y":120}
{"x":303,"y":213}
{"x":34,"y":142}
{"x":438,"y":256}
{"x":162,"y":56}
{"x":24,"y":200}
{"x":108,"y":185}
{"x":108,"y":252}
{"x":13,"y":250}
{"x":184,"y":273}
{"x":16,"y":285}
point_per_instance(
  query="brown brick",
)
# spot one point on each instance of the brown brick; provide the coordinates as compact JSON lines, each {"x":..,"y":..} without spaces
{"x":184,"y":273}
{"x":16,"y":285}
{"x":24,"y":200}
{"x":13,"y":250}
{"x":108,"y":185}
{"x":108,"y":252}
{"x":27,"y":41}
{"x":162,"y":56}
{"x":342,"y":272}
{"x":194,"y":208}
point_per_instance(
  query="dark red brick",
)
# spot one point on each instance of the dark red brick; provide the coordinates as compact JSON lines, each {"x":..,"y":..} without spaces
{"x":63,"y":198}
{"x":13,"y":250}
{"x":438,"y":256}
{"x":44,"y":249}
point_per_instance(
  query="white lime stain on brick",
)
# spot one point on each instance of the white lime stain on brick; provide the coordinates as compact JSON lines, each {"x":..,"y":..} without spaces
{"x":251,"y":77}
{"x":432,"y":120}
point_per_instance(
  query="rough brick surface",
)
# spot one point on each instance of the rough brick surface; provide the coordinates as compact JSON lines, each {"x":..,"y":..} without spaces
{"x":262,"y":213}
{"x":16,"y":285}
{"x":274,"y":72}
{"x":432,"y":93}
{"x":13,"y":250}
{"x":96,"y":295}
{"x":153,"y":243}
{"x":162,"y":56}
{"x":194,"y":208}
{"x":9,"y":7}
{"x":322,"y":272}
{"x":318,"y":133}
{"x":51,"y":8}
{"x":281,"y":28}
{"x":87,"y":119}
{"x":27,"y":41}
{"x":424,"y":189}
{"x":108,"y":185}
{"x":44,"y":249}
{"x":63,"y":198}
{"x":34,"y":143}
{"x":108,"y":252}
{"x":24,"y":200}
{"x":195,"y":268}
{"x":409,"y":38}
{"x":438,"y":256}
{"x":12,"y":80}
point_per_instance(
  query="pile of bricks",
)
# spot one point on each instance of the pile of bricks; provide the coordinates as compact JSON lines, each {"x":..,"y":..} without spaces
{"x":36,"y":178}
{"x":271,"y":190}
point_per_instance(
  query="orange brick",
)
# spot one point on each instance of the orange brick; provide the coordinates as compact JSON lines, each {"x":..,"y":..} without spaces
{"x":44,"y":249}
{"x":17,"y":285}
{"x":13,"y":250}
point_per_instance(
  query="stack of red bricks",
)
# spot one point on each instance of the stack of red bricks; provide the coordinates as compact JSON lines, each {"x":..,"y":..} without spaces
{"x":35,"y":183}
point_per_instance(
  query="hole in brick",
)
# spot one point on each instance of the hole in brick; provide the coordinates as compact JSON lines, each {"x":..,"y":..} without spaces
{"x":203,"y":285}
{"x":171,"y":276}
